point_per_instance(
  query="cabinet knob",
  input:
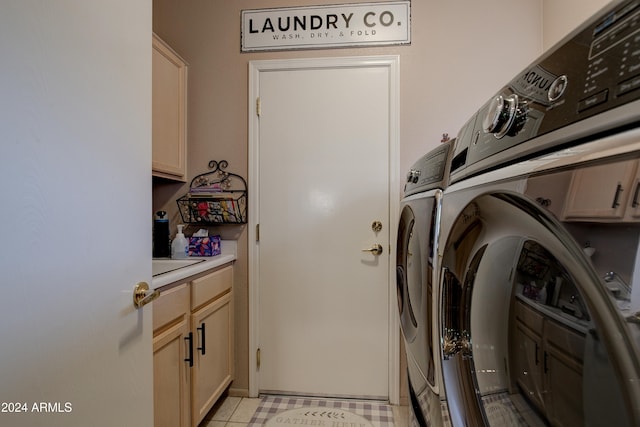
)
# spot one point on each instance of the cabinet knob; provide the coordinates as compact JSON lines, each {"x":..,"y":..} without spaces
{"x":616,"y":197}
{"x":189,"y":340}
{"x":203,"y":346}
{"x":635,"y":202}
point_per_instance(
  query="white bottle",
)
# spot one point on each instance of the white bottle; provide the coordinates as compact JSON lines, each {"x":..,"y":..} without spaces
{"x":179,"y":246}
{"x":542,"y":296}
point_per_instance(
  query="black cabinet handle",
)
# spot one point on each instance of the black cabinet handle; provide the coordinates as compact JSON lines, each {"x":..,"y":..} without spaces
{"x":189,"y":359}
{"x":616,"y":197}
{"x":537,"y":360}
{"x":635,"y":196}
{"x":202,"y":347}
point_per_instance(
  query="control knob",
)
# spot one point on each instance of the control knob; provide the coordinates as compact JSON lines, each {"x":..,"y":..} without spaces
{"x":502,"y":114}
{"x":413,"y":175}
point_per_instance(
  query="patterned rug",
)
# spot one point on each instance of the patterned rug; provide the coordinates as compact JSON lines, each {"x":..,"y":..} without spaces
{"x":277,"y":410}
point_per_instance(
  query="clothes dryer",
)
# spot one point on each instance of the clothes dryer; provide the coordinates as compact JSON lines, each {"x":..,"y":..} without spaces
{"x":416,"y":273}
{"x":538,"y":299}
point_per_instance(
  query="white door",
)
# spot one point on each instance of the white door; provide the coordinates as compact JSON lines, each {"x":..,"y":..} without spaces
{"x":75,"y":182}
{"x":322,"y":174}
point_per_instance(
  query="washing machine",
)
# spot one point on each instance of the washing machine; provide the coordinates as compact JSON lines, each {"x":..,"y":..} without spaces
{"x":538,"y":293}
{"x":416,"y":273}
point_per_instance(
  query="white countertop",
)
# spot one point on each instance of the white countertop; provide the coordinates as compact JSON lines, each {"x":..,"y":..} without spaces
{"x":558,"y":315}
{"x":229,"y":249}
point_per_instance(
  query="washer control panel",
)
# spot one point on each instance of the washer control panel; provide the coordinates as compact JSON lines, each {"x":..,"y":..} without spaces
{"x":575,"y":87}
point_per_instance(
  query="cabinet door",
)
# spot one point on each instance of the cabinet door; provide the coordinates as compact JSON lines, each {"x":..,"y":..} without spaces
{"x":563,"y":380}
{"x":600,"y":192}
{"x":563,"y":355}
{"x":528,"y":363}
{"x":212,"y":326}
{"x":172,"y":344}
{"x":633,"y":204}
{"x":207,"y":288}
{"x":169,"y":98}
{"x":171,"y":376}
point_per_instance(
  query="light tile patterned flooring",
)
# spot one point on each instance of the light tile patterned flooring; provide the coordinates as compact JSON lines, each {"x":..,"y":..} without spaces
{"x":237,"y":412}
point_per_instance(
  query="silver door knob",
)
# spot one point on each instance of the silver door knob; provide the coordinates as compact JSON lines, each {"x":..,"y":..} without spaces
{"x":376,"y":249}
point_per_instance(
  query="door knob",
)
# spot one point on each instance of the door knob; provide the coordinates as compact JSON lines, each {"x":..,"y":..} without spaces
{"x":376,"y":249}
{"x":140,"y":295}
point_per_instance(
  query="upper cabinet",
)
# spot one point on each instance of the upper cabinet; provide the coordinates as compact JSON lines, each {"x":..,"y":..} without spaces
{"x":604,"y":192}
{"x":169,"y":112}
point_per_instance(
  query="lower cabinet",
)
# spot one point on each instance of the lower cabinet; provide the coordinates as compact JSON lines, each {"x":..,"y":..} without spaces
{"x":171,"y":374}
{"x":563,"y":357}
{"x":547,"y":360}
{"x":213,"y":354}
{"x":527,"y":360}
{"x":193,"y":348}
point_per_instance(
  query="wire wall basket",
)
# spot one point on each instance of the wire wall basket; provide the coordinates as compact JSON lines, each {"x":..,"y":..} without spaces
{"x":215,"y":197}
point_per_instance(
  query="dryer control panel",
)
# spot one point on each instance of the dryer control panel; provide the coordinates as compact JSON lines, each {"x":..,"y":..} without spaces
{"x":430,"y":171}
{"x":586,"y":86}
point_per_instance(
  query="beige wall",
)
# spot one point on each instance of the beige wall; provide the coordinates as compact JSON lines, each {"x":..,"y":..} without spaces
{"x":562,"y":17}
{"x":456,"y":61}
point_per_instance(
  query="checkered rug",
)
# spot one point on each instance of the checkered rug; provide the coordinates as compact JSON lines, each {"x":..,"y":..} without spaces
{"x":378,"y":413}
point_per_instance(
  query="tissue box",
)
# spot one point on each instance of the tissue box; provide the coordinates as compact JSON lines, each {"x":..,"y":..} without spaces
{"x":204,"y":246}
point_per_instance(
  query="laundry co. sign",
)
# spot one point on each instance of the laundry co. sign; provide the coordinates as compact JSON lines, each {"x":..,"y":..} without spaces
{"x":361,"y":24}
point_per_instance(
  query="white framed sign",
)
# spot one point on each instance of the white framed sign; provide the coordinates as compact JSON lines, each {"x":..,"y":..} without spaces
{"x":314,"y":27}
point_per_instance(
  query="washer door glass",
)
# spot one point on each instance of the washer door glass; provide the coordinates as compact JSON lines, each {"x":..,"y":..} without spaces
{"x":414,"y":272}
{"x":530,"y":336}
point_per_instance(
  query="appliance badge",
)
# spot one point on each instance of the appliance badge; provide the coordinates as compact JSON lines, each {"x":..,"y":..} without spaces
{"x":536,"y":83}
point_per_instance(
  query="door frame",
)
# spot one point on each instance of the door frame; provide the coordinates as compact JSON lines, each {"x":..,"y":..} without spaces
{"x":392,"y":63}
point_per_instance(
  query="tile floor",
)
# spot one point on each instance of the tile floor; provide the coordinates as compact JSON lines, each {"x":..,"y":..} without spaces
{"x":237,"y":412}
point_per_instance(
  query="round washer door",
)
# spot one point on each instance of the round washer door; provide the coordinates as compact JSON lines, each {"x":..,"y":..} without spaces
{"x":414,"y":281}
{"x":408,"y":269}
{"x":530,"y":336}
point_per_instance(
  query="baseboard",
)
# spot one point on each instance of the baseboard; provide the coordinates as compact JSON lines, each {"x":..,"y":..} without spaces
{"x":238,"y":392}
